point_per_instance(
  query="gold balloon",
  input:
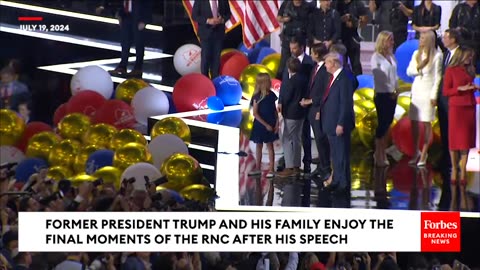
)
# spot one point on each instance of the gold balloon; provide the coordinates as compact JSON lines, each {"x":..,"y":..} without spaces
{"x":249,"y":76}
{"x":404,"y":102}
{"x":365,"y":104}
{"x":40,"y":144}
{"x":436,"y":128}
{"x":58,"y":173}
{"x":225,"y":51}
{"x":247,"y":122}
{"x":366,"y":129}
{"x":110,"y":176}
{"x":99,"y":134}
{"x":78,"y":179}
{"x":63,"y":153}
{"x":130,"y":154}
{"x":74,"y":126}
{"x":172,"y":125}
{"x":198,"y":192}
{"x":125,"y":136}
{"x":128,"y":88}
{"x":80,"y":162}
{"x":356,"y":96}
{"x":272,"y":62}
{"x":11,"y":127}
{"x":366,"y":93}
{"x":181,"y":170}
{"x":404,"y":86}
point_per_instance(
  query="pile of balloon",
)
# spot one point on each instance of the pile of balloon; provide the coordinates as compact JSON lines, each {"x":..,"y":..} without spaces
{"x":93,"y":137}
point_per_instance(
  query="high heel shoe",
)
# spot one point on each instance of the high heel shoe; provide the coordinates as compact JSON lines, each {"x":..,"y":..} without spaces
{"x":422,"y":163}
{"x":414,"y":159}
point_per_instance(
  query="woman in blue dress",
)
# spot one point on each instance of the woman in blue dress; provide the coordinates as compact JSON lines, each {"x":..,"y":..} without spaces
{"x":266,"y":124}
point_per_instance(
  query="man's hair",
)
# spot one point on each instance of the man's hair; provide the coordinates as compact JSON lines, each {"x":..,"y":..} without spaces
{"x":293,"y":64}
{"x":336,"y":57}
{"x":338,"y":48}
{"x":454,"y":34}
{"x":8,"y":70}
{"x":319,"y":49}
{"x":298,"y":40}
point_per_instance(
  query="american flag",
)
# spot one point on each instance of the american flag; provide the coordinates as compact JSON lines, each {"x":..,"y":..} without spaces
{"x":258,"y":18}
{"x":229,"y":25}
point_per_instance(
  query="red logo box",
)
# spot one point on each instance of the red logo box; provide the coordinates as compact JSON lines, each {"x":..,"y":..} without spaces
{"x":440,"y":232}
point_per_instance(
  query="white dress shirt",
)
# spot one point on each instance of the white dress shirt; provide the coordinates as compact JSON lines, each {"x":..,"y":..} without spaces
{"x":335,"y":75}
{"x":385,"y":76}
{"x":300,"y":57}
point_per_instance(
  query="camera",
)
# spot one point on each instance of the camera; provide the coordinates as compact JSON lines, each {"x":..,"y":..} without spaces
{"x":8,"y":167}
{"x":97,"y":182}
{"x":157,"y":182}
{"x":55,"y":196}
{"x":125,"y":183}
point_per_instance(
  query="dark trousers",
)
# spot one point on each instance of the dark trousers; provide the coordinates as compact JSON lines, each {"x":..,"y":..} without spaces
{"x":129,"y":35}
{"x":211,"y":51}
{"x":399,"y":37}
{"x":442,"y":110}
{"x":353,"y":54}
{"x":321,"y":140}
{"x":307,"y":144}
{"x":340,"y":153}
{"x":385,"y":103}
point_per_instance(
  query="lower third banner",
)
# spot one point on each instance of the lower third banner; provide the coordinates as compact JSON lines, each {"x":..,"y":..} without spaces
{"x":325,"y":230}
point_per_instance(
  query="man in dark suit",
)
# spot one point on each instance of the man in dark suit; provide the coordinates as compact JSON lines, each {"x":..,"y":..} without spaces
{"x":314,"y":98}
{"x":133,"y":15}
{"x":211,"y":17}
{"x":338,"y":121}
{"x":297,"y":49}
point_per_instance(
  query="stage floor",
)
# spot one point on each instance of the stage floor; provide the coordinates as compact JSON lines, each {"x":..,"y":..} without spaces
{"x":52,"y":58}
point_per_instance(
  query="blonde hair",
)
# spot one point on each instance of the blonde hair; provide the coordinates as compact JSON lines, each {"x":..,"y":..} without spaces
{"x":459,"y":58}
{"x":336,"y":57}
{"x":381,"y":43}
{"x":429,"y":48}
{"x":263,"y":84}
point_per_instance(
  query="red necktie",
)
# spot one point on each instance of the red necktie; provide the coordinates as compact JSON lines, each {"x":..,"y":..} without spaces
{"x":327,"y":90}
{"x":127,"y":4}
{"x":317,"y":67}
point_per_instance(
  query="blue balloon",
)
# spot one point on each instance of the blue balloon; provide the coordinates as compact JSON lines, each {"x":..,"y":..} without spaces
{"x":244,"y":49}
{"x":404,"y":55}
{"x":99,"y":159}
{"x":27,"y":167}
{"x":232,"y":118}
{"x":476,"y":81}
{"x":176,"y":196}
{"x":171,"y":108}
{"x":228,"y":89}
{"x":215,"y":103}
{"x":262,"y":43}
{"x":215,"y":118}
{"x":264,"y":52}
{"x":365,"y":81}
{"x":253,"y":55}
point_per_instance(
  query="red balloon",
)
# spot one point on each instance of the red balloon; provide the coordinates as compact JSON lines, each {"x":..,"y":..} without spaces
{"x":402,"y":136}
{"x":86,"y":102}
{"x":191,"y":92}
{"x":31,"y":129}
{"x":116,"y":113}
{"x":276,"y":84}
{"x":233,"y":63}
{"x":59,"y":113}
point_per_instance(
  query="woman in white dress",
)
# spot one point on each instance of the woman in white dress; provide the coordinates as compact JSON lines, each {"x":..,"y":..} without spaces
{"x":426,"y":67}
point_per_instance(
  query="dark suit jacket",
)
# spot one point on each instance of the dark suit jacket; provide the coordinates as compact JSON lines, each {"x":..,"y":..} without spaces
{"x":337,"y":108}
{"x":202,"y":11}
{"x":291,"y":95}
{"x":317,"y":86}
{"x":305,"y":68}
{"x":141,"y":9}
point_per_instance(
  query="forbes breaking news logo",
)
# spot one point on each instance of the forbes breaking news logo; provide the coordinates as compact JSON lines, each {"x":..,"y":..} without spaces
{"x":440,"y":232}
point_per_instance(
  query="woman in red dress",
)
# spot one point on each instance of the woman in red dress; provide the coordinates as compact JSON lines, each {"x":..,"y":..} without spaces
{"x":458,"y":87}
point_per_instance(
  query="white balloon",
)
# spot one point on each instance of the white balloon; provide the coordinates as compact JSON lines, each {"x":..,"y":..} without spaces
{"x":163,"y":146}
{"x":148,"y":102}
{"x":139,"y":171}
{"x":92,"y":78}
{"x":10,"y":154}
{"x":187,"y":59}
